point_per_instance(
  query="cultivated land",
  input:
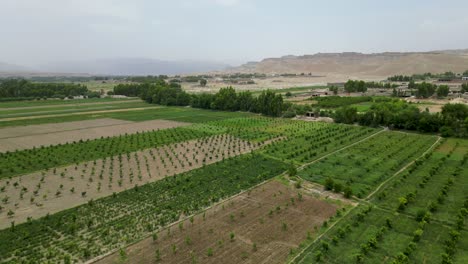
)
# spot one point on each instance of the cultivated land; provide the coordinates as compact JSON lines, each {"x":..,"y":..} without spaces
{"x":266,"y":222}
{"x":37,"y":194}
{"x":45,"y":136}
{"x":418,"y":217}
{"x":231,"y":188}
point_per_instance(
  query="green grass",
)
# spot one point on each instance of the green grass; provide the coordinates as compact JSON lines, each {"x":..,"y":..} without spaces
{"x":69,"y":109}
{"x":59,"y":102}
{"x":183,"y":114}
{"x":362,"y":107}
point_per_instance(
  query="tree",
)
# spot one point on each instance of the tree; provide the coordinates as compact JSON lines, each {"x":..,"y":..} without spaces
{"x":333,"y":89}
{"x":348,"y":192}
{"x":225,"y":99}
{"x":329,"y":183}
{"x":346,"y":115}
{"x":203,"y":82}
{"x":442,"y":91}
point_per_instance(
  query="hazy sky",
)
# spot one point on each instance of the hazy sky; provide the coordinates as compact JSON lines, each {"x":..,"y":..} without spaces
{"x":39,"y":31}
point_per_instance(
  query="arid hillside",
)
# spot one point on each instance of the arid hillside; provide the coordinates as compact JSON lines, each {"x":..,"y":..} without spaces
{"x":362,"y":65}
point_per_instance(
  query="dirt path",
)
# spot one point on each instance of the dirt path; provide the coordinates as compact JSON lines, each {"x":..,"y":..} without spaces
{"x":80,"y":113}
{"x":66,"y":105}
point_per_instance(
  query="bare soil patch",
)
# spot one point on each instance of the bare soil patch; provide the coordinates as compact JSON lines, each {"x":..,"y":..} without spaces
{"x":266,"y":223}
{"x":20,"y":131}
{"x":44,"y":135}
{"x":36,"y":194}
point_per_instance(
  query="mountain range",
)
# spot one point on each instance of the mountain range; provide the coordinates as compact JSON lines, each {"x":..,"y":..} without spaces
{"x":362,"y":65}
{"x":349,"y":64}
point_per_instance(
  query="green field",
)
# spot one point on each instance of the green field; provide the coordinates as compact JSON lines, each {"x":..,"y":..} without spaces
{"x":50,"y":102}
{"x":418,"y":218}
{"x":93,"y":229}
{"x":69,"y":109}
{"x":408,"y":191}
{"x":183,"y":114}
{"x":364,"y":166}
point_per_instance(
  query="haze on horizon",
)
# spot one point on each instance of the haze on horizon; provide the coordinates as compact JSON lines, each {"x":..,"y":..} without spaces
{"x":228,"y":31}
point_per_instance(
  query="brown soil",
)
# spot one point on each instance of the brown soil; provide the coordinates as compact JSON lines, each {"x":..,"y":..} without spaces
{"x":10,"y":132}
{"x":104,"y":177}
{"x":248,"y":217}
{"x":44,"y":135}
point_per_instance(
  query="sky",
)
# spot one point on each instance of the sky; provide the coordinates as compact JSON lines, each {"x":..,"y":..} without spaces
{"x":34,"y":32}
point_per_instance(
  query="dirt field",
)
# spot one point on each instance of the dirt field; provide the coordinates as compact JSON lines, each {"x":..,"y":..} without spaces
{"x":35,"y":195}
{"x":435,"y":105}
{"x":246,"y":216}
{"x":10,"y":132}
{"x":26,"y":137}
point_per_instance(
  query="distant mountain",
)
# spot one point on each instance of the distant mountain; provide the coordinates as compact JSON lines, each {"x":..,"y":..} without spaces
{"x":360,"y":65}
{"x":133,"y":66}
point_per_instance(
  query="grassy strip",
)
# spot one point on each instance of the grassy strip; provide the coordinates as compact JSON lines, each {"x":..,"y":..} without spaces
{"x":60,"y":102}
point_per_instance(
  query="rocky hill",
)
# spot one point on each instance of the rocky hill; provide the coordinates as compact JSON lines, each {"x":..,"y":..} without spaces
{"x":360,"y":64}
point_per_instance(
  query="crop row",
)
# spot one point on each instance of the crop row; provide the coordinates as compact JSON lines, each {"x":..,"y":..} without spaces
{"x":99,"y":226}
{"x":420,"y":218}
{"x":365,"y":165}
{"x":24,"y":161}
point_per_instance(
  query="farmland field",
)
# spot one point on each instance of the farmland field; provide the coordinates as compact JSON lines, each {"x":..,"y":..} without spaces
{"x":259,"y":236}
{"x":183,"y":185}
{"x":418,"y":218}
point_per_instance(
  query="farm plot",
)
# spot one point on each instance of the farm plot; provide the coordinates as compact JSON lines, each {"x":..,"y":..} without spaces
{"x":93,"y":229}
{"x":420,"y":218}
{"x":366,"y":165}
{"x":21,"y":131}
{"x":70,"y":108}
{"x":302,"y":141}
{"x":259,"y":226}
{"x":181,"y":114}
{"x":37,"y":194}
{"x":62,"y":137}
{"x":307,"y":141}
{"x":25,"y":161}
